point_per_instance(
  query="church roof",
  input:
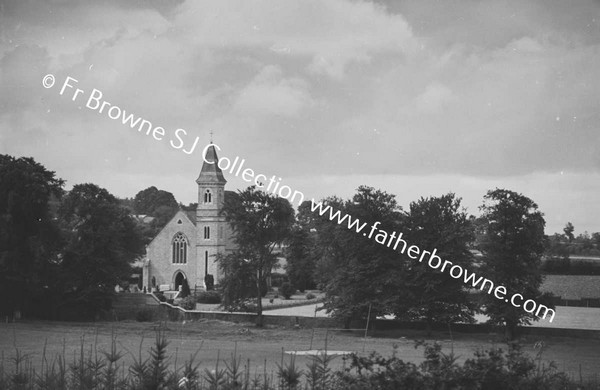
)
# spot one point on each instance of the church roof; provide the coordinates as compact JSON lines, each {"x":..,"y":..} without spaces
{"x":191,"y":214}
{"x":211,"y":173}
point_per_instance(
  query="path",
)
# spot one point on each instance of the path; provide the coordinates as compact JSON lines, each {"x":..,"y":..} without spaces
{"x":566,"y":316}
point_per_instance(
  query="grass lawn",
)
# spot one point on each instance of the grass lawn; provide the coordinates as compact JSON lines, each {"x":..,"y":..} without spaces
{"x":262,"y":346}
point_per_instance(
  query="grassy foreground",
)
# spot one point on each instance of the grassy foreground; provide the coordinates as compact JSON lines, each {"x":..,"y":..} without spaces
{"x":129,"y":355}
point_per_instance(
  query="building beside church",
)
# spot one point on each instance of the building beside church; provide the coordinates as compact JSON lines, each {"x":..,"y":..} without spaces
{"x":187,"y":246}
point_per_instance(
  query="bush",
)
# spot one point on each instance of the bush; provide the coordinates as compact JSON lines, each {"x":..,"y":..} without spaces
{"x":209,"y":281}
{"x":188,"y":303}
{"x":277,"y":279}
{"x":161,"y":297}
{"x":310,"y":296}
{"x":249,"y":308}
{"x":185,"y":289}
{"x":144,"y":315}
{"x":209,"y":297}
{"x":287,"y":290}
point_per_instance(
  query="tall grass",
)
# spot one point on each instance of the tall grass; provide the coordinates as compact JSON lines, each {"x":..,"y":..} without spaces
{"x":90,"y":368}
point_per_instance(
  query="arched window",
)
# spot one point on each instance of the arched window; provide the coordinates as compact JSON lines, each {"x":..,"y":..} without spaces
{"x":207,"y":196}
{"x":179,"y":249}
{"x":206,"y":232}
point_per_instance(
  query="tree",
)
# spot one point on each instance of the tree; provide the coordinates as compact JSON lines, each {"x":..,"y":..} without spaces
{"x":157,"y":203}
{"x":29,"y":238}
{"x":438,"y":223}
{"x":259,"y":222}
{"x":102,"y":242}
{"x":512,"y":247}
{"x":359,"y":275}
{"x":185,"y":289}
{"x":569,"y":229}
{"x":300,"y":263}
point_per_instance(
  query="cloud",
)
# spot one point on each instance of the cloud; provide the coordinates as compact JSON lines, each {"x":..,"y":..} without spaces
{"x":328,"y":35}
{"x":412,"y":88}
{"x":433,"y":98}
{"x":270,"y":94}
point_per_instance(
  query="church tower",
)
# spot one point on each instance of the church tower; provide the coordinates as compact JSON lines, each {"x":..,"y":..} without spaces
{"x":210,"y":239}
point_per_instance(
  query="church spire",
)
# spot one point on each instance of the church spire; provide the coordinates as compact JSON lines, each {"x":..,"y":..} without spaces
{"x":210,"y":172}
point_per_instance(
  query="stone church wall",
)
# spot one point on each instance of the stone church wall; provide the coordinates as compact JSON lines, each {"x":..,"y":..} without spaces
{"x":160,"y":254}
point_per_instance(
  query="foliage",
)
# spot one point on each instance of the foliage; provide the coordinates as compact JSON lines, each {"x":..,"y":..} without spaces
{"x":161,"y":297}
{"x":440,"y":223}
{"x":149,"y":200}
{"x":209,"y":281}
{"x":561,"y":266}
{"x":489,"y":369}
{"x":569,"y":229}
{"x":289,"y":375}
{"x":29,"y":238}
{"x":358,"y":274}
{"x":512,"y":246}
{"x":492,"y":369}
{"x":185,"y":289}
{"x":259,"y":222}
{"x":102,"y":241}
{"x":310,"y":296}
{"x":238,"y":285}
{"x":188,"y":303}
{"x":287,"y":290}
{"x":300,"y":264}
{"x":561,"y":246}
{"x":209,"y":297}
{"x":156,"y":203}
{"x":277,"y":279}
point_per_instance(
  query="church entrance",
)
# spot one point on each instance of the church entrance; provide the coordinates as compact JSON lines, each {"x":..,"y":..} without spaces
{"x":179,"y":278}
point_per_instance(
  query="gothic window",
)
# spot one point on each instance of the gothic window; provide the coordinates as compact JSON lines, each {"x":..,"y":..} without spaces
{"x":179,"y":249}
{"x":206,"y":232}
{"x":207,"y":196}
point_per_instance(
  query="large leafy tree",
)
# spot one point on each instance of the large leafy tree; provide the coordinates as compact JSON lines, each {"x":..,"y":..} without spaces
{"x":438,"y":223}
{"x":102,"y":240}
{"x":300,"y":262}
{"x":259,"y":221}
{"x":358,"y":274}
{"x":29,"y":238}
{"x":512,"y":246}
{"x":157,"y":203}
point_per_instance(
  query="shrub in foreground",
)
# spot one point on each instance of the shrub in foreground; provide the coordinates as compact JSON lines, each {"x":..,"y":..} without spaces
{"x":492,"y":369}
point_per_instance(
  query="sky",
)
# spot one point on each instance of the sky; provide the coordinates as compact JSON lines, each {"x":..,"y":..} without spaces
{"x":417,"y":98}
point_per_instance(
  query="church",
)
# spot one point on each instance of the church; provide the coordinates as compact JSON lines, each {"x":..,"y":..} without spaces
{"x":187,"y":246}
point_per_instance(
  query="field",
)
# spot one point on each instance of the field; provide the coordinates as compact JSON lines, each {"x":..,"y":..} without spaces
{"x":262,"y":347}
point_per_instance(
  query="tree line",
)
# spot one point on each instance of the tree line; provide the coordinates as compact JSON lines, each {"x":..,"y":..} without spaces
{"x":65,"y":251}
{"x":62,"y":253}
{"x":362,"y":278}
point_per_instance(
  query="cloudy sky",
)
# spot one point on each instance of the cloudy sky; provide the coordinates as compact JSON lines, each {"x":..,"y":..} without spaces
{"x":415,"y":97}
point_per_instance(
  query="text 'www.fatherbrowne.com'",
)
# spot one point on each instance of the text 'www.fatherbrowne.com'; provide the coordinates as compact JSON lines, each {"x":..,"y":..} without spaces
{"x":394,"y":241}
